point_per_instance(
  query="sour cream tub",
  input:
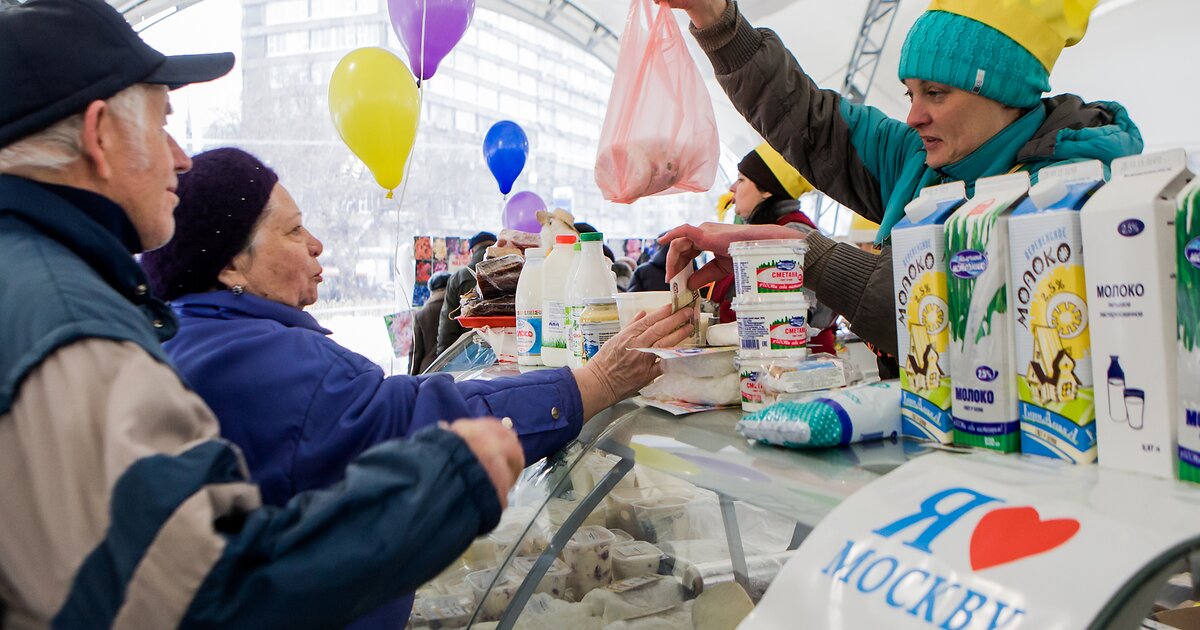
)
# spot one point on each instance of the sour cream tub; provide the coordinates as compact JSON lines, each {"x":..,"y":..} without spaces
{"x":768,"y":267}
{"x":772,"y":325}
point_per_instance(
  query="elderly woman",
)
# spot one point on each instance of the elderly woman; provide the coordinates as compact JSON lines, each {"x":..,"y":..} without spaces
{"x":975,"y":73}
{"x":239,"y":272}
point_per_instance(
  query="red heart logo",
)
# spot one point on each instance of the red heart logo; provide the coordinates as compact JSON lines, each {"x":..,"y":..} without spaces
{"x":1009,"y":534}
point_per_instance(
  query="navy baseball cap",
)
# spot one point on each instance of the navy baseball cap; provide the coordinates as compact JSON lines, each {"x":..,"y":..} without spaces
{"x":56,"y":56}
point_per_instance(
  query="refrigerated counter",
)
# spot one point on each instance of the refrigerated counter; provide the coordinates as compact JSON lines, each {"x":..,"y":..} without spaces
{"x":631,"y":524}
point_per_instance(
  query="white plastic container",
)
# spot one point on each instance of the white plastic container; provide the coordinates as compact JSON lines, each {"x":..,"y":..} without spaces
{"x":555,"y":581}
{"x":1130,"y":267}
{"x":1055,"y":385}
{"x":591,"y":276}
{"x":529,"y":308}
{"x":492,"y":603}
{"x":772,"y":325}
{"x":630,"y":304}
{"x":635,"y":559}
{"x":922,"y":311}
{"x":982,"y":377}
{"x":598,"y":323}
{"x":589,"y":555}
{"x":768,"y":267}
{"x":554,"y":288}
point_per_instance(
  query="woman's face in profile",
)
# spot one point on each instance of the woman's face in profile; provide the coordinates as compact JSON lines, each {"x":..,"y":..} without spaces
{"x":281,"y":262}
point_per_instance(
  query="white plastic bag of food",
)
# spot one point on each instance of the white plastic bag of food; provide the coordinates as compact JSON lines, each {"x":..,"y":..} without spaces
{"x":854,"y":414}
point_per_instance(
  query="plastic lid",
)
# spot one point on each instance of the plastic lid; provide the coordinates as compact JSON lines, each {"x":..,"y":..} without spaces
{"x":535,"y":252}
{"x":565,"y":239}
{"x":607,"y":299}
{"x":591,"y":236}
{"x":771,"y":299}
{"x":792,"y":361}
{"x":788,"y":243}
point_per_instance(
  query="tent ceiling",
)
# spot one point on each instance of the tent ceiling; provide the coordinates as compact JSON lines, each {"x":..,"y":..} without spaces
{"x":821,"y":34}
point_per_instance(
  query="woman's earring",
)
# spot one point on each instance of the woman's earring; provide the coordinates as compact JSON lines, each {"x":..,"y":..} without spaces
{"x":238,"y":289}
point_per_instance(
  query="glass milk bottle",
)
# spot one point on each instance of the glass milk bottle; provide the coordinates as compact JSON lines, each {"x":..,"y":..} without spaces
{"x":529,"y":308}
{"x":592,"y":277}
{"x":554,"y":287}
{"x":1116,"y":391}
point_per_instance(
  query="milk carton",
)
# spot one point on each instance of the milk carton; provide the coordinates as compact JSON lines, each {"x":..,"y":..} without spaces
{"x":1187,"y":242}
{"x":1128,"y":232}
{"x":983,"y":383}
{"x":922,"y":313}
{"x":1049,"y":311}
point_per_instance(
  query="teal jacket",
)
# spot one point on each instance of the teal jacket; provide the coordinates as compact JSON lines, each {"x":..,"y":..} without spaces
{"x":875,"y":165}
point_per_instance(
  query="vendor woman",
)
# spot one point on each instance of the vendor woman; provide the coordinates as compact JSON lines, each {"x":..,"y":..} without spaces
{"x":974,"y":71}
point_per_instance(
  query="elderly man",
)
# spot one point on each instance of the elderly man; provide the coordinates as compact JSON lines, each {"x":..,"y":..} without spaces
{"x":120,"y":505}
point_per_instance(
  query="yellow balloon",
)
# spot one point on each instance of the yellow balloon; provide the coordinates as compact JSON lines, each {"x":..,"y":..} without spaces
{"x":374,"y":103}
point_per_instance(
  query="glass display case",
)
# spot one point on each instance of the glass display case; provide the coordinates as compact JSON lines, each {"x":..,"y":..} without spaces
{"x":639,"y":517}
{"x":648,"y":516}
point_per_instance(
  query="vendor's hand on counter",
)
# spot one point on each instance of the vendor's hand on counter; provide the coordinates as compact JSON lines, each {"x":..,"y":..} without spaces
{"x":497,"y":449}
{"x":702,"y":12}
{"x":617,"y":372}
{"x":689,"y":241}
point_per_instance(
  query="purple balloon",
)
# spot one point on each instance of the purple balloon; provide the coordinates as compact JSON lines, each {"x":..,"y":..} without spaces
{"x":520,"y":213}
{"x":445,"y":21}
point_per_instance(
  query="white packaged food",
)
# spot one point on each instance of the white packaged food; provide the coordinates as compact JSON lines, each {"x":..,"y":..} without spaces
{"x":493,"y":602}
{"x":553,"y":583}
{"x":722,"y":334}
{"x":635,"y":597}
{"x":768,"y":267}
{"x":664,"y":518}
{"x":589,"y":555}
{"x":560,"y":509}
{"x":764,"y":381}
{"x":719,"y":390}
{"x":445,"y":611}
{"x":772,"y":325}
{"x":635,"y":559}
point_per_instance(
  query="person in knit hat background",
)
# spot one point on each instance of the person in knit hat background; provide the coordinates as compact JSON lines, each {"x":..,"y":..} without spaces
{"x":767,"y":192}
{"x":975,"y":71}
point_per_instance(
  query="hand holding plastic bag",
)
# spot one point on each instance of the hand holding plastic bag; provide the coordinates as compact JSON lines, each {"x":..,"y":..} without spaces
{"x":660,"y":133}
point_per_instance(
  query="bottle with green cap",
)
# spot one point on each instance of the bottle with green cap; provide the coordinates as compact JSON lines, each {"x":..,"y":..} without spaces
{"x":555,"y":270}
{"x":591,"y":276}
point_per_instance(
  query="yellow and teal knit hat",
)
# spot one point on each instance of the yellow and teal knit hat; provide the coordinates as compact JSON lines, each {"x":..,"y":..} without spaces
{"x":1000,"y":49}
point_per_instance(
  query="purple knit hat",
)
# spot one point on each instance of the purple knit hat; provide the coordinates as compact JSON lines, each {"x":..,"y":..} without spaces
{"x":220,"y":200}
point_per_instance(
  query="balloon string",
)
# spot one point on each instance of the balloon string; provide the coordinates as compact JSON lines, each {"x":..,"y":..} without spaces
{"x":424,"y":12}
{"x":399,"y":203}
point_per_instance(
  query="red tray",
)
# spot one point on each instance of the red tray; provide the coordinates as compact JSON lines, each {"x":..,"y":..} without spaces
{"x":494,"y":321}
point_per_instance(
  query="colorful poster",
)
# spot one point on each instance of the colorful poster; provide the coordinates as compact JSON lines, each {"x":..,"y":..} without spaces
{"x":439,"y":248}
{"x":400,"y":332}
{"x":422,"y":248}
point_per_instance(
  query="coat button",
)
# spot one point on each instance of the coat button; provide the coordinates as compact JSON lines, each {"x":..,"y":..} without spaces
{"x":507,"y":422}
{"x":159,"y":324}
{"x":554,"y":412}
{"x":140,"y":289}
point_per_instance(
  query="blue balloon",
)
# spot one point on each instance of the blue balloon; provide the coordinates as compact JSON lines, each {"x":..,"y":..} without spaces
{"x":504,"y":148}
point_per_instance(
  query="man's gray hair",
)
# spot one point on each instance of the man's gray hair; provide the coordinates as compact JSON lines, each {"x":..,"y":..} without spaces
{"x":60,"y":144}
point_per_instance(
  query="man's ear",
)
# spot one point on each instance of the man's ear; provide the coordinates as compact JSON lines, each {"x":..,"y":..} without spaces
{"x":99,"y":135}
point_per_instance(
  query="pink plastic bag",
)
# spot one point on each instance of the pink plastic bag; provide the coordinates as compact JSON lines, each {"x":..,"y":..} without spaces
{"x":660,"y":133}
